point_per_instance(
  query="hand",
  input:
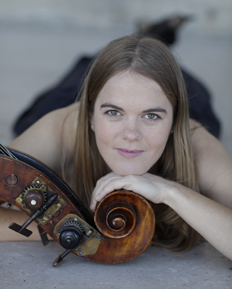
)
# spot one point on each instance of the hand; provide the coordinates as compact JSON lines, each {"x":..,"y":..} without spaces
{"x":149,"y":186}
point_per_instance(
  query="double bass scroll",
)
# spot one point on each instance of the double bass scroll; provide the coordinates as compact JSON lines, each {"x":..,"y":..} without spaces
{"x":127,"y":222}
{"x":122,"y":227}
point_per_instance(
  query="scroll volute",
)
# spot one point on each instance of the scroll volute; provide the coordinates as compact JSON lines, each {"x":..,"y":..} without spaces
{"x":127,"y":222}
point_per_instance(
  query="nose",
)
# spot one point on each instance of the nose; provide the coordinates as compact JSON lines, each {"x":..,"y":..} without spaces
{"x":131,"y":132}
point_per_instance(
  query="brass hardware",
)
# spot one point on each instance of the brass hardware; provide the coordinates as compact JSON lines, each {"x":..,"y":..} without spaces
{"x":91,"y":238}
{"x":45,"y":191}
{"x":51,"y":211}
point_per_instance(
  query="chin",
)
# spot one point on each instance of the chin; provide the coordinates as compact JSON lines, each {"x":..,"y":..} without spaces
{"x":129,"y":171}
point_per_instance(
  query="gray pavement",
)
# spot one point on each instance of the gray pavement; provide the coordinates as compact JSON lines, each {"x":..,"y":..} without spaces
{"x":28,"y":265}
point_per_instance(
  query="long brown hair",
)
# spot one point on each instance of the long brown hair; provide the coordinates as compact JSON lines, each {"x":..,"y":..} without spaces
{"x":150,"y":58}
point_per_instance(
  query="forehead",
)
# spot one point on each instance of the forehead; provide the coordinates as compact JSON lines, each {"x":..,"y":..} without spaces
{"x":131,"y":88}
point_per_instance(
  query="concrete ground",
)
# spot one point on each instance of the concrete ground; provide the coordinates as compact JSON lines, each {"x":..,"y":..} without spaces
{"x":32,"y":59}
{"x":29,"y":265}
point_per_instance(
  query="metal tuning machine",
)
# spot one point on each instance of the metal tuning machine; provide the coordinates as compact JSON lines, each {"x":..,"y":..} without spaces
{"x":76,"y":235}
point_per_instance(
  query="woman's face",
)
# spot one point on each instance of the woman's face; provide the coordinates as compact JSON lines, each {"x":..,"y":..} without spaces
{"x":132,"y":120}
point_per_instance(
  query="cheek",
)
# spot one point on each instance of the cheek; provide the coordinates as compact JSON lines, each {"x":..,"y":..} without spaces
{"x":103,"y":134}
{"x":158,"y":142}
{"x":162,"y":138}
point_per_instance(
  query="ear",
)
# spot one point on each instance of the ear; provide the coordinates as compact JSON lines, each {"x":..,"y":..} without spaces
{"x":91,"y":121}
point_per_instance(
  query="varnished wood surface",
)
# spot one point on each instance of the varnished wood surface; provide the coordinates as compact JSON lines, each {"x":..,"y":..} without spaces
{"x":113,"y":249}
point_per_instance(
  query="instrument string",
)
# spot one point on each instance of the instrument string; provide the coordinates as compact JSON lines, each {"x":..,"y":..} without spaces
{"x":6,"y":152}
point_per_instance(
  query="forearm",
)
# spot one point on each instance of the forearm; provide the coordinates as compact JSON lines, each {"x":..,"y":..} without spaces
{"x":212,"y":220}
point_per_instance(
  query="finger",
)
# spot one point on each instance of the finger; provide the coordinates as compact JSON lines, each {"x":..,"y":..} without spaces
{"x":113,"y":184}
{"x":104,"y":189}
{"x":138,"y":184}
{"x":101,"y":183}
{"x":99,"y":187}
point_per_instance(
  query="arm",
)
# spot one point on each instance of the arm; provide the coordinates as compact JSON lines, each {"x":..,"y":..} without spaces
{"x":211,"y":219}
{"x":214,"y":165}
{"x":210,"y":214}
{"x":45,"y":139}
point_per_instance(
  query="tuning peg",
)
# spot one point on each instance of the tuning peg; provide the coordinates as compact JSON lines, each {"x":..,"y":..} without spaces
{"x":61,"y":257}
{"x":43,"y":235}
{"x":22,"y":229}
{"x":70,"y":237}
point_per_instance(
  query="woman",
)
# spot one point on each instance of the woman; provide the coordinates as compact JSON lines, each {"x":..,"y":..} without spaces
{"x":131,"y":130}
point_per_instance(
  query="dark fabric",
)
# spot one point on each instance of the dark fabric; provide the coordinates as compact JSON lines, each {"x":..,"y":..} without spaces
{"x":66,"y":91}
{"x":61,"y":95}
{"x":200,"y":104}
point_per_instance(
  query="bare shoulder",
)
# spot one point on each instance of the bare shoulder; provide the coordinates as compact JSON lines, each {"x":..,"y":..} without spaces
{"x":44,"y":139}
{"x":214,"y":165}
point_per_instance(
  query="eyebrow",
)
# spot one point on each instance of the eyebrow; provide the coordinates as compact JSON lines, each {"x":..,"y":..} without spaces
{"x":156,"y":109}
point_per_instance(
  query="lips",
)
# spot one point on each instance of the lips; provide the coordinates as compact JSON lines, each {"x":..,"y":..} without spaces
{"x":129,"y":153}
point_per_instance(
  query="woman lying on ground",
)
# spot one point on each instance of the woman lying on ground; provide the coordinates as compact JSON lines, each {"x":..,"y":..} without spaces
{"x":131,"y":130}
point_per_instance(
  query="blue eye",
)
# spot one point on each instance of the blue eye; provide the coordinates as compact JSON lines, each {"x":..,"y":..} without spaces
{"x":151,"y":116}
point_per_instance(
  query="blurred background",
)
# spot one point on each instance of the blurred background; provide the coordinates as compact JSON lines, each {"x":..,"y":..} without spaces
{"x":41,"y":40}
